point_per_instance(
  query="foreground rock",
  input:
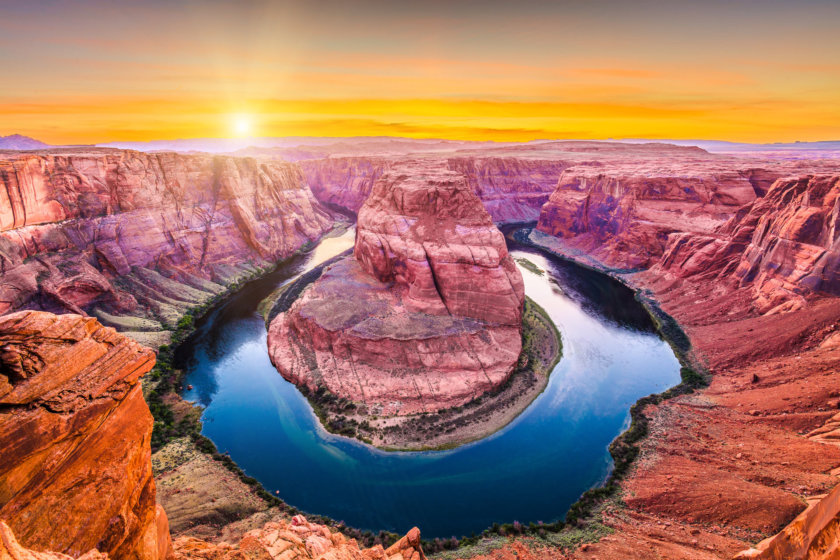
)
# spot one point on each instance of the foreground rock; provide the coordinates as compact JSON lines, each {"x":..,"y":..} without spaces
{"x":137,"y":238}
{"x":427,"y":314}
{"x":297,"y":539}
{"x":76,"y":473}
{"x":10,"y":549}
{"x":276,"y":540}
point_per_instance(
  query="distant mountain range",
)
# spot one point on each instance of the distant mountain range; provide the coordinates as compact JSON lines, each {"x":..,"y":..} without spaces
{"x":20,"y":142}
{"x":312,"y":146}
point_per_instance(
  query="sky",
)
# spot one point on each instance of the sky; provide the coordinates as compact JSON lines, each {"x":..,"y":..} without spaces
{"x":89,"y":71}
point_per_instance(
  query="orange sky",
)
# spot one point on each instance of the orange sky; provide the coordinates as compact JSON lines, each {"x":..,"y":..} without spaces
{"x":98,"y":71}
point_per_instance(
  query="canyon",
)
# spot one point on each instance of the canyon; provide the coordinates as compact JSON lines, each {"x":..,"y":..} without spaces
{"x":742,"y":250}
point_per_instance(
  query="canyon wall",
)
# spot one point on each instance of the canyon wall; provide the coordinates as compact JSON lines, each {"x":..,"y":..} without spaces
{"x":426,"y":315}
{"x":121,"y":233}
{"x":344,"y":181}
{"x":785,"y":245}
{"x":512,"y":188}
{"x":75,"y":470}
{"x":623,"y":215}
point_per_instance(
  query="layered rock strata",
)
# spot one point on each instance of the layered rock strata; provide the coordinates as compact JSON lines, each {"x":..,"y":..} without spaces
{"x":813,"y":535}
{"x":732,"y":463}
{"x":785,"y":245}
{"x":75,"y":470}
{"x":127,"y":234}
{"x":297,"y":539}
{"x":624,"y":214}
{"x":11,"y":549}
{"x":426,"y":315}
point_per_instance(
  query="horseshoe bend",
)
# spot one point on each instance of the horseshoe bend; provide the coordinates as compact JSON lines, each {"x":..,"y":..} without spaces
{"x":414,"y":332}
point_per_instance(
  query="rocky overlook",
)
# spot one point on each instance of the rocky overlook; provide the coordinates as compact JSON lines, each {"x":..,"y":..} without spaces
{"x":427,"y":314}
{"x":75,"y":472}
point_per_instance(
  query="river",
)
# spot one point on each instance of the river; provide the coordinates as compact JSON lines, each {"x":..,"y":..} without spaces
{"x":532,"y":470}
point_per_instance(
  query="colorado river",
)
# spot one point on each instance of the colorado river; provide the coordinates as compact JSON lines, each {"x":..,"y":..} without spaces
{"x":532,"y":470}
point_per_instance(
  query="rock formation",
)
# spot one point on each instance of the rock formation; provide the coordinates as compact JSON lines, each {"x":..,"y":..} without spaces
{"x":344,"y":181}
{"x":75,"y":472}
{"x":512,"y":189}
{"x":297,"y":539}
{"x":428,"y":313}
{"x":10,"y":549}
{"x":123,"y":233}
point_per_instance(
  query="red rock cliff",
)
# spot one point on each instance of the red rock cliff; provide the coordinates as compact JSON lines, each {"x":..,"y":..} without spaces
{"x":513,"y":189}
{"x":423,"y":229}
{"x":127,"y":232}
{"x":428,"y":313}
{"x":785,"y":245}
{"x":75,"y":471}
{"x":624,"y":214}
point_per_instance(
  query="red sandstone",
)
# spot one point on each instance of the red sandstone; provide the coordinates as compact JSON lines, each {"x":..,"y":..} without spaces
{"x":426,"y":316}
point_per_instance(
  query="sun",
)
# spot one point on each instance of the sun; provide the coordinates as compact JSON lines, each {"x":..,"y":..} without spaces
{"x":241,"y":124}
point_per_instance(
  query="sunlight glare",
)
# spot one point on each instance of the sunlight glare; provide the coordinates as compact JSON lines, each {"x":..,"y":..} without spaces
{"x":241,"y":125}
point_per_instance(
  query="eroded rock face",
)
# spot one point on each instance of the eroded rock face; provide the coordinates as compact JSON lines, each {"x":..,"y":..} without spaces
{"x":428,"y":313}
{"x":298,"y":538}
{"x":124,"y":232}
{"x":10,"y":549}
{"x":785,"y":245}
{"x":75,"y":471}
{"x":512,"y":189}
{"x":624,"y":214}
{"x":424,"y":230}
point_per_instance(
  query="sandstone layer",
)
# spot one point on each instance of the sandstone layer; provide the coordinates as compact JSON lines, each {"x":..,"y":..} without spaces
{"x":426,"y":315}
{"x":813,"y":535}
{"x":785,"y":245}
{"x":10,"y":549}
{"x":136,"y":238}
{"x":75,"y":472}
{"x":624,"y":214}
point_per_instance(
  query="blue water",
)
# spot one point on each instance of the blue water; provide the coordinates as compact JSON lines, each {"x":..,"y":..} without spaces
{"x":532,"y":470}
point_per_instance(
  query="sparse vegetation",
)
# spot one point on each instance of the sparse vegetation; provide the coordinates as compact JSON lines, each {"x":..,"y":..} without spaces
{"x":528,"y":265}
